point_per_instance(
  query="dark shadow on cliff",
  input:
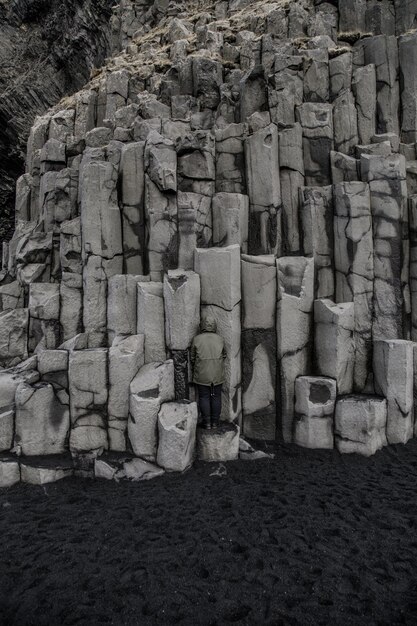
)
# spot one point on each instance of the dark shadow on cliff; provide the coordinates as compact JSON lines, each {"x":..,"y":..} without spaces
{"x":47,"y":49}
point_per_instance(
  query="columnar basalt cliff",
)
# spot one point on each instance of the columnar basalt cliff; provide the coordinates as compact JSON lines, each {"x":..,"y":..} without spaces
{"x":251,"y":160}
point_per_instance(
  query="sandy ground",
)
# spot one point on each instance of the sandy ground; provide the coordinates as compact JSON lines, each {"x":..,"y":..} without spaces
{"x":307,"y":538}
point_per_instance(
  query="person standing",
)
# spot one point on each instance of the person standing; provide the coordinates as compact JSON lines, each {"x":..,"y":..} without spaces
{"x":207,"y":360}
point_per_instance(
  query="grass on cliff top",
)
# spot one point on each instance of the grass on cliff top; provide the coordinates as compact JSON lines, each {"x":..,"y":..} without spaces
{"x":157,"y":59}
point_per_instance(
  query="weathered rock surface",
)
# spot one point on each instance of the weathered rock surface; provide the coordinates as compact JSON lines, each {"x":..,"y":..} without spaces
{"x":177,"y":424}
{"x":252,"y":163}
{"x":220,"y":444}
{"x":153,"y":385}
{"x":315,"y":399}
{"x":360,"y":424}
{"x":394,"y":379}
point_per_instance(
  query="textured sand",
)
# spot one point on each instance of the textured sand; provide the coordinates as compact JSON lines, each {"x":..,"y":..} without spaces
{"x":308,"y":538}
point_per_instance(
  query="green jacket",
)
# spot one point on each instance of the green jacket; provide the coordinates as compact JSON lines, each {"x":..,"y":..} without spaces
{"x":208,"y":354}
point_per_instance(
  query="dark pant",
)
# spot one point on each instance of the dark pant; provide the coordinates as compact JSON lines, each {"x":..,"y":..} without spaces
{"x":210,"y":401}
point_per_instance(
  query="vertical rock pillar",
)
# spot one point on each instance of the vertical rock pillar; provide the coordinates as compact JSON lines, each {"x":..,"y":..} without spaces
{"x":295,"y":296}
{"x":219,"y":270}
{"x":132,"y":173}
{"x":394,"y":379}
{"x":316,"y":213}
{"x":101,"y":232}
{"x":182,"y":320}
{"x":333,"y":342}
{"x":259,"y":289}
{"x":354,"y":264}
{"x":264,"y":190}
{"x":387,"y":183}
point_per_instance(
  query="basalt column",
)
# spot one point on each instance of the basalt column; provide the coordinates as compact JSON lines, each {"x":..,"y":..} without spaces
{"x":264,"y":190}
{"x":387,"y":183}
{"x":102,"y":243}
{"x":161,"y":210}
{"x":354,"y":263}
{"x":317,"y":235}
{"x":295,"y":297}
{"x":259,"y":288}
{"x":219,"y":270}
{"x":182,"y":320}
{"x":132,"y":171}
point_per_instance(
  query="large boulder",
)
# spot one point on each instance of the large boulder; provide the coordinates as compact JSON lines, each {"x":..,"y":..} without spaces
{"x":153,"y":385}
{"x":42,"y":420}
{"x":177,"y":424}
{"x":360,"y":424}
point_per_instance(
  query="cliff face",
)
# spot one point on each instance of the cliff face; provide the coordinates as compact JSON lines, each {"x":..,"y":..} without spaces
{"x":255,"y":162}
{"x":47,"y":50}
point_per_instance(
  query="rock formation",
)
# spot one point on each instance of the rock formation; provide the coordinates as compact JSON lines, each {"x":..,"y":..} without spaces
{"x":48,"y":49}
{"x":254,"y":161}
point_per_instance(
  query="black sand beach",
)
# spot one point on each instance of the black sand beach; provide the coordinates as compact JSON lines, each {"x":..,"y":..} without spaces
{"x":308,"y":538}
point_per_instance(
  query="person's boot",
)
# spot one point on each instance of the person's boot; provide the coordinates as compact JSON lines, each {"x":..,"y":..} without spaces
{"x":215,"y":422}
{"x":206,"y":423}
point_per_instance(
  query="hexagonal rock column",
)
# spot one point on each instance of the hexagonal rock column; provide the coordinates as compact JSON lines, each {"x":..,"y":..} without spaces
{"x":405,"y":15}
{"x":88,"y":385}
{"x":382,"y":51}
{"x":9,"y":472}
{"x":264,"y":190}
{"x":408,"y":58}
{"x":315,"y":399}
{"x":394,"y":378}
{"x":333,"y":342}
{"x":70,"y":248}
{"x":295,"y":297}
{"x":42,"y":421}
{"x":132,"y":182}
{"x":195,"y":226}
{"x":13,"y":336}
{"x":9,"y":382}
{"x":360,"y":424}
{"x":122,"y":304}
{"x":219,"y":270}
{"x":316,"y":218}
{"x":316,"y":120}
{"x":196,"y":165}
{"x":352,"y":16}
{"x":219,"y":444}
{"x":364,"y":88}
{"x":354,"y":263}
{"x":292,"y":178}
{"x":102,"y":241}
{"x":151,"y":320}
{"x":230,"y":220}
{"x":259,"y":349}
{"x":177,"y":424}
{"x":230,"y":174}
{"x":388,"y":188}
{"x":153,"y":385}
{"x":345,"y":123}
{"x":285,"y":87}
{"x":11,"y":296}
{"x":412,"y":203}
{"x":44,"y":326}
{"x":182,"y":321}
{"x":126,"y":357}
{"x":161,"y":235}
